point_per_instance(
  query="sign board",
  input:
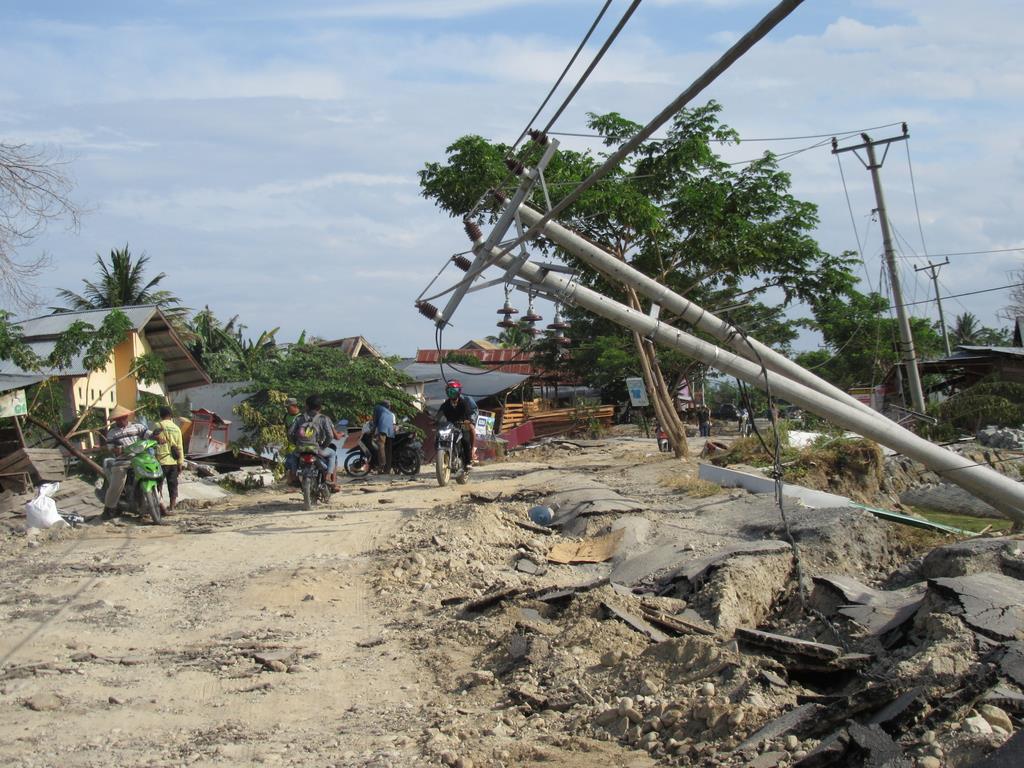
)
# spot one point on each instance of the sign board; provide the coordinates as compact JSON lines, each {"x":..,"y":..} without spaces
{"x":13,"y":404}
{"x":484,"y":423}
{"x":637,"y":392}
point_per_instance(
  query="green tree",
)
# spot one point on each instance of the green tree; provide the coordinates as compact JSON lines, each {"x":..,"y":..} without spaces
{"x":513,"y":337}
{"x":967,"y":330}
{"x":679,"y":213}
{"x":860,"y":340}
{"x":122,"y":283}
{"x":349,"y":389}
{"x":222,"y":349}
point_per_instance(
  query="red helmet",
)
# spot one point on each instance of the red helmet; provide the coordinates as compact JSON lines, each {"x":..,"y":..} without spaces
{"x":454,"y":388}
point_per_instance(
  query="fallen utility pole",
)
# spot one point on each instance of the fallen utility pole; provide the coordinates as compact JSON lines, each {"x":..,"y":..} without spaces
{"x":933,"y":273}
{"x":1001,"y":492}
{"x":692,"y":313}
{"x":907,"y":352}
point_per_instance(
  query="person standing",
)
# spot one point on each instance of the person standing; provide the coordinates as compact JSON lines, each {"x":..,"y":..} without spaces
{"x":384,"y":432}
{"x":704,"y":421}
{"x":170,"y":452}
{"x":123,"y":432}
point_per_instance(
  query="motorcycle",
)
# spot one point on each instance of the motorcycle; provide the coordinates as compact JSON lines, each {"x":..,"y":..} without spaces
{"x":312,"y":474}
{"x":405,"y":456}
{"x":144,"y":473}
{"x":451,"y":455}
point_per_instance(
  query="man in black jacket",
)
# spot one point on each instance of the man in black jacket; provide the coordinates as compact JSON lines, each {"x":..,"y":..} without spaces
{"x":460,"y":409}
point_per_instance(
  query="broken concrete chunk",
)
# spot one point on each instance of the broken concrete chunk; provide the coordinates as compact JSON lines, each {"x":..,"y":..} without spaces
{"x":44,"y":702}
{"x":789,"y":645}
{"x":991,"y":603}
{"x":973,"y":556}
{"x":636,"y":622}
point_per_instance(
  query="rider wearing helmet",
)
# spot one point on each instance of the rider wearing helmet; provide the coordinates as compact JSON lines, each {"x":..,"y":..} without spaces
{"x":460,"y":409}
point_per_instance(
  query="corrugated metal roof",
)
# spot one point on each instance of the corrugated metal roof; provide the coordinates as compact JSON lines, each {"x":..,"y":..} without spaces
{"x":505,"y":360}
{"x":10,"y":381}
{"x":476,"y":382}
{"x":181,"y":369}
{"x":1013,"y":351}
{"x":53,"y":325}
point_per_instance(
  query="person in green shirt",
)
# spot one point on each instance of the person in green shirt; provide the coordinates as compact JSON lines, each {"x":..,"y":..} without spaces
{"x":170,"y":452}
{"x":291,"y":461}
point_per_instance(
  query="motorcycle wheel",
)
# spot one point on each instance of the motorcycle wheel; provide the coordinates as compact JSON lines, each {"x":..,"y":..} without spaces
{"x":408,"y":463}
{"x":151,"y":506}
{"x":357,"y":464}
{"x":443,"y":467}
{"x":307,"y":492}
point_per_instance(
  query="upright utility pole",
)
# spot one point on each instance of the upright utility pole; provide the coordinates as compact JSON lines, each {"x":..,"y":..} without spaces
{"x":933,"y":273}
{"x":907,"y":353}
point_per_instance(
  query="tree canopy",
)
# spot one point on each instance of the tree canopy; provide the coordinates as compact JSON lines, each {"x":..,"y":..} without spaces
{"x":348,"y":387}
{"x":723,"y":235}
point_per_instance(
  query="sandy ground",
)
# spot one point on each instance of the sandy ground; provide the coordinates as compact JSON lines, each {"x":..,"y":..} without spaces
{"x":254,"y":633}
{"x":241,"y":634}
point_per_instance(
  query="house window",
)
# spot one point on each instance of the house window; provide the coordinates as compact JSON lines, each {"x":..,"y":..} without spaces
{"x":79,"y":393}
{"x":111,"y":395}
{"x":92,"y":394}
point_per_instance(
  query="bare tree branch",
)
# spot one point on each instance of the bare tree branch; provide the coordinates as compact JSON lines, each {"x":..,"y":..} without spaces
{"x":35,"y":189}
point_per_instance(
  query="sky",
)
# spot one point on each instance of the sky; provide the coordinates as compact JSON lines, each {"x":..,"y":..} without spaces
{"x":264,"y":154}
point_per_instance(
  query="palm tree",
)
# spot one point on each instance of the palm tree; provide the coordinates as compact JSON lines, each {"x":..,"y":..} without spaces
{"x":965,"y":329}
{"x":122,"y":283}
{"x":514,"y":337}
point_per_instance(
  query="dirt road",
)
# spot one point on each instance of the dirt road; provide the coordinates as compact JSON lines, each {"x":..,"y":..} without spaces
{"x":237,"y":635}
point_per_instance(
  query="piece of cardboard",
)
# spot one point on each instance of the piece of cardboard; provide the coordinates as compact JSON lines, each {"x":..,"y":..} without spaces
{"x":596,"y":550}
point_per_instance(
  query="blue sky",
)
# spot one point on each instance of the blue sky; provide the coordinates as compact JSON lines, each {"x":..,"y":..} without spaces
{"x":264,"y":155}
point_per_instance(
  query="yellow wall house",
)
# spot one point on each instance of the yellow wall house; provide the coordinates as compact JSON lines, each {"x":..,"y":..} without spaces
{"x":151,"y":332}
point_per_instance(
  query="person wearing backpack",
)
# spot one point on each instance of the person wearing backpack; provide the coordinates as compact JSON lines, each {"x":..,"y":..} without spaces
{"x":314,"y":427}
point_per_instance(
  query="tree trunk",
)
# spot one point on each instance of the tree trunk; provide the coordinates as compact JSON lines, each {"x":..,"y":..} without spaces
{"x":74,"y":451}
{"x":654,"y":380}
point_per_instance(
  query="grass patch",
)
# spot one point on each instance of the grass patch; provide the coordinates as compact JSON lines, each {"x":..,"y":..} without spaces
{"x":966,"y":522}
{"x":694,"y":487}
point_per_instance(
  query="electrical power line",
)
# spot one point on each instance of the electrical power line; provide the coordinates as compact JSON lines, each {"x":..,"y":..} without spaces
{"x":744,"y":44}
{"x":565,"y":71}
{"x":969,"y":253}
{"x":748,"y":141}
{"x":968,"y":293}
{"x":593,"y":64}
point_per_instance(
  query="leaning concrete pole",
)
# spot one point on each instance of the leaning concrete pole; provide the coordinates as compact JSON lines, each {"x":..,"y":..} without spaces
{"x":694,"y":314}
{"x":1001,"y":492}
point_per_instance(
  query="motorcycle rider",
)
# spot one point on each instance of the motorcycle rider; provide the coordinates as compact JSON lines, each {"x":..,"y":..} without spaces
{"x":124,"y":431}
{"x":291,"y":461}
{"x":460,"y":409}
{"x":315,"y":427}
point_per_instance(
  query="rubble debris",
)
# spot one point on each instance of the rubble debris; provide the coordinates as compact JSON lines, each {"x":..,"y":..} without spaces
{"x":879,"y":612}
{"x":991,"y":603}
{"x":588,"y":497}
{"x":789,"y":646}
{"x":695,"y":570}
{"x":780,"y":726}
{"x":1010,"y":755}
{"x":683,"y":624}
{"x":636,"y":622}
{"x":646,"y":567}
{"x":1001,"y":437}
{"x":997,"y":555}
{"x":598,"y":549}
{"x":491,"y":598}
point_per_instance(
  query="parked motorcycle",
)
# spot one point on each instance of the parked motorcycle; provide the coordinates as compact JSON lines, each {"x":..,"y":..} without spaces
{"x":405,"y":456}
{"x":312,"y":474}
{"x":139,"y":496}
{"x":451,"y":455}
